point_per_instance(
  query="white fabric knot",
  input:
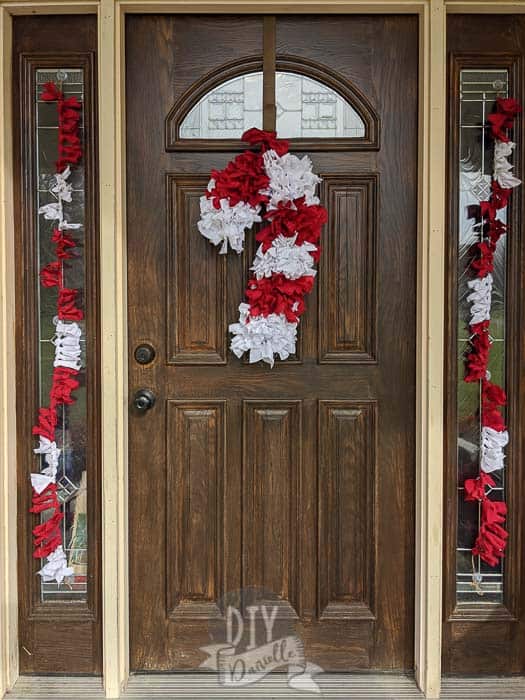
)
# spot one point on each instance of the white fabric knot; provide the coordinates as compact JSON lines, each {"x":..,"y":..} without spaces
{"x":480,"y":298}
{"x":502,"y":167}
{"x":263,"y":336}
{"x":40,"y":482}
{"x":63,"y":189}
{"x":48,"y":474}
{"x":226,"y":225}
{"x":51,"y":211}
{"x":492,"y":444}
{"x":50,"y":450}
{"x":67,"y":345}
{"x":56,"y":568}
{"x":290,"y":178}
{"x":285,"y":257}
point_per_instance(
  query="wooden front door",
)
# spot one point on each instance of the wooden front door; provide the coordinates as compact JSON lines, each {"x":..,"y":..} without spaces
{"x":297,"y":479}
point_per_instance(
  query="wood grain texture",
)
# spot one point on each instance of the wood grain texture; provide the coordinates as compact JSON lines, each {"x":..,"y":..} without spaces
{"x":276,"y":480}
{"x":272,"y":445}
{"x":347,"y":292}
{"x":481,"y":639}
{"x":197,"y":288}
{"x":59,"y":637}
{"x":195,"y":463}
{"x":347,"y":470}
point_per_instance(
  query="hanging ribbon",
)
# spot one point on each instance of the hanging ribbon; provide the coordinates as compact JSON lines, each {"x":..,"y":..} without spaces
{"x":492,"y":537}
{"x":48,"y":543}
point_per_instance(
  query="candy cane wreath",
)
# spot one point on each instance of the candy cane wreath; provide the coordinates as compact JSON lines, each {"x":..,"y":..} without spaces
{"x":274,"y":186}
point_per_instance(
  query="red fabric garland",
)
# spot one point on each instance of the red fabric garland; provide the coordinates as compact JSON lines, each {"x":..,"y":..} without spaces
{"x":492,"y":538}
{"x":47,"y":535}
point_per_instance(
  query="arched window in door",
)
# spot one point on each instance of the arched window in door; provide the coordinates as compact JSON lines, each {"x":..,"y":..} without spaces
{"x":305,"y":108}
{"x":313,"y":105}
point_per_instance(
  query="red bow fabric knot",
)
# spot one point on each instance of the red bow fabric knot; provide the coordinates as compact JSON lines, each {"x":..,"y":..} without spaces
{"x":67,"y":309}
{"x":492,"y":397}
{"x":500,"y":195}
{"x":50,"y":274}
{"x":62,"y":385}
{"x":503,"y":118}
{"x":48,"y":530}
{"x":241,"y":181}
{"x":278,"y":295}
{"x":50,"y":93}
{"x":477,"y":360}
{"x":46,"y":425}
{"x":475,"y":488}
{"x":493,"y":512}
{"x":64,"y":242}
{"x":294,"y":218}
{"x":267,"y":139}
{"x":45,"y":500}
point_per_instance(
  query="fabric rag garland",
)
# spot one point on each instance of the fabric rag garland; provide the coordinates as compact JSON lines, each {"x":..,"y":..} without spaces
{"x":48,"y":542}
{"x":492,"y":537}
{"x":279,"y":189}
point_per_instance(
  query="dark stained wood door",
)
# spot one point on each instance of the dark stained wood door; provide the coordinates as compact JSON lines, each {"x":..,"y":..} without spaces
{"x":297,"y":479}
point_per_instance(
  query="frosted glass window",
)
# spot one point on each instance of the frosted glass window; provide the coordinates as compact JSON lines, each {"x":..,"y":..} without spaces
{"x":309,"y":109}
{"x":305,"y":108}
{"x":227,"y":111}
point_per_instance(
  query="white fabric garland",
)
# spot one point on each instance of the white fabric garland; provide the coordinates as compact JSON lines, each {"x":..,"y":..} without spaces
{"x":263,"y":336}
{"x":493,"y":442}
{"x":226,"y":225}
{"x":67,"y":345}
{"x":56,"y":568}
{"x":290,"y":178}
{"x":480,"y":298}
{"x":492,"y":454}
{"x":67,"y":354}
{"x":502,"y":167}
{"x":285,"y":257}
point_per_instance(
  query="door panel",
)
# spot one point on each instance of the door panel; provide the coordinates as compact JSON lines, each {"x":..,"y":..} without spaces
{"x":297,"y":479}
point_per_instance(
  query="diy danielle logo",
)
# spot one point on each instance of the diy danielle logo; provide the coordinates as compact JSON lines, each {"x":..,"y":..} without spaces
{"x":257,"y":637}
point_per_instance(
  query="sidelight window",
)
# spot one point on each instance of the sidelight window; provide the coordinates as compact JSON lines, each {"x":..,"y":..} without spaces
{"x":477,"y":581}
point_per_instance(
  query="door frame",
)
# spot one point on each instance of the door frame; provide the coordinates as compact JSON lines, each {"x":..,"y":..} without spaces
{"x":114,"y":356}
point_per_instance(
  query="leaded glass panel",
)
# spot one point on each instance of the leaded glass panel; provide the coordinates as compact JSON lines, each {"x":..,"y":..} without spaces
{"x":475,"y":581}
{"x":71,"y":438}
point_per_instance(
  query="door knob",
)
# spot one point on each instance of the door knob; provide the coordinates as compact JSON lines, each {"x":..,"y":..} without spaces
{"x":144,"y":399}
{"x":144,"y":354}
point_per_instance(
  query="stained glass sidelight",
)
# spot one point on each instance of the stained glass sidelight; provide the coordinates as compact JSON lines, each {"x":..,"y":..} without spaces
{"x":305,"y":108}
{"x":71,"y":438}
{"x":476,"y":581}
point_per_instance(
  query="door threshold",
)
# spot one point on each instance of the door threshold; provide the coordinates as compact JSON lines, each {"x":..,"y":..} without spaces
{"x":361,"y":686}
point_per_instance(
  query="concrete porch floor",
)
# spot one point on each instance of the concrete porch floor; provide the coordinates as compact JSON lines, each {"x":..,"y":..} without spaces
{"x":333,"y":687}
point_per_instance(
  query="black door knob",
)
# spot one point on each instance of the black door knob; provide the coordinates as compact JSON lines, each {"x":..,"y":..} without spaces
{"x":144,"y":400}
{"x":144,"y":354}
